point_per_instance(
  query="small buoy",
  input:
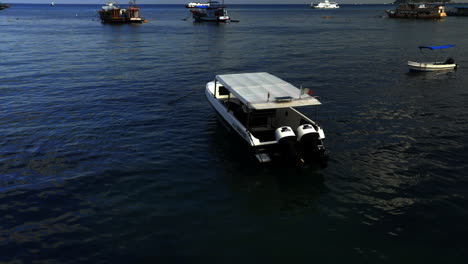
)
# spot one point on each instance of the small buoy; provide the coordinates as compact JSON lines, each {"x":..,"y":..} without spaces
{"x":145,"y":21}
{"x":327,"y":17}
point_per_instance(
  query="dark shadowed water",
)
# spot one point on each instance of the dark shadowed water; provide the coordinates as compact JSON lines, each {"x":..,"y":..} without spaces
{"x":100,"y":162}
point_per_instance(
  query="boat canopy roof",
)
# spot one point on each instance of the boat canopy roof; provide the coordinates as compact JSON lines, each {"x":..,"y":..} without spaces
{"x":261,"y":90}
{"x":436,"y":47}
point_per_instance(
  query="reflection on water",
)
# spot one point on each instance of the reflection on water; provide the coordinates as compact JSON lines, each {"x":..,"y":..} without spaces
{"x":435,"y":75}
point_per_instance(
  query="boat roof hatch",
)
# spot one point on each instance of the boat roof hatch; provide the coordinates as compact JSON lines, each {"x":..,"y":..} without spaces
{"x":436,"y":47}
{"x":261,"y":90}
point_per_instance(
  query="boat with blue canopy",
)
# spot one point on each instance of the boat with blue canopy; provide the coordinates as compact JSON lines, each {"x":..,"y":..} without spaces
{"x":448,"y":64}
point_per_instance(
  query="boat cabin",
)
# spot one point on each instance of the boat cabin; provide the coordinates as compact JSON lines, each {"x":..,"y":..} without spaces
{"x":264,"y":120}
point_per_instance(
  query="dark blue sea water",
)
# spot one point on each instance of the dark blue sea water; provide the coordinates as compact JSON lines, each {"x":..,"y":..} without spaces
{"x":103,"y":159}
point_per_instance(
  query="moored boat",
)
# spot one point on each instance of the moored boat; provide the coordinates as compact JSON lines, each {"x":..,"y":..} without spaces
{"x":212,"y":11}
{"x":448,"y":64}
{"x":4,"y":6}
{"x":196,"y":4}
{"x":431,"y":11}
{"x":457,"y":11}
{"x":260,"y":107}
{"x":114,"y":14}
{"x":325,"y":5}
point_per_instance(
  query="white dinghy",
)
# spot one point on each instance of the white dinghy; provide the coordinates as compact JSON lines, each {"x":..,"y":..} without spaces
{"x":260,"y":107}
{"x":448,"y":64}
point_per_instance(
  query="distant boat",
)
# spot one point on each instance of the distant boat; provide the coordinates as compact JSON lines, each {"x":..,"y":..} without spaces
{"x":52,"y":4}
{"x":196,"y":4}
{"x":4,"y":6}
{"x":113,"y":14}
{"x":212,"y":11}
{"x":458,"y":11}
{"x":260,"y":108}
{"x":418,"y":11}
{"x":325,"y":5}
{"x":448,"y":64}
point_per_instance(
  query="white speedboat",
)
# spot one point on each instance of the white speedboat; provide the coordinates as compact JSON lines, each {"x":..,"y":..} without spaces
{"x":325,"y":5}
{"x":448,"y":64}
{"x":260,"y":107}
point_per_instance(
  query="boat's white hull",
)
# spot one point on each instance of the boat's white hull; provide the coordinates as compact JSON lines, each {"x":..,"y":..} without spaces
{"x":229,"y":118}
{"x":430,"y":66}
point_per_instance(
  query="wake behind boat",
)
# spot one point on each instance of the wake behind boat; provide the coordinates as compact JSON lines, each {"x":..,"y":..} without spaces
{"x":448,"y":64}
{"x":260,"y":107}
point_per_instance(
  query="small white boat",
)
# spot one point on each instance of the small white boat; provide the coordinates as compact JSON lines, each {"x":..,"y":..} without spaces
{"x":260,"y":107}
{"x":448,"y":64}
{"x":325,"y":5}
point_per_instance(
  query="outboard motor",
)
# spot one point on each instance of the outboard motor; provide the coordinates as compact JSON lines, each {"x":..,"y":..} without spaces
{"x":310,"y":140}
{"x":450,"y":61}
{"x":287,"y":143}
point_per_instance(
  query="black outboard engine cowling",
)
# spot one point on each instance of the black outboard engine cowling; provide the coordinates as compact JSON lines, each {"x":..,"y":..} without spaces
{"x":450,"y":61}
{"x":288,"y":145}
